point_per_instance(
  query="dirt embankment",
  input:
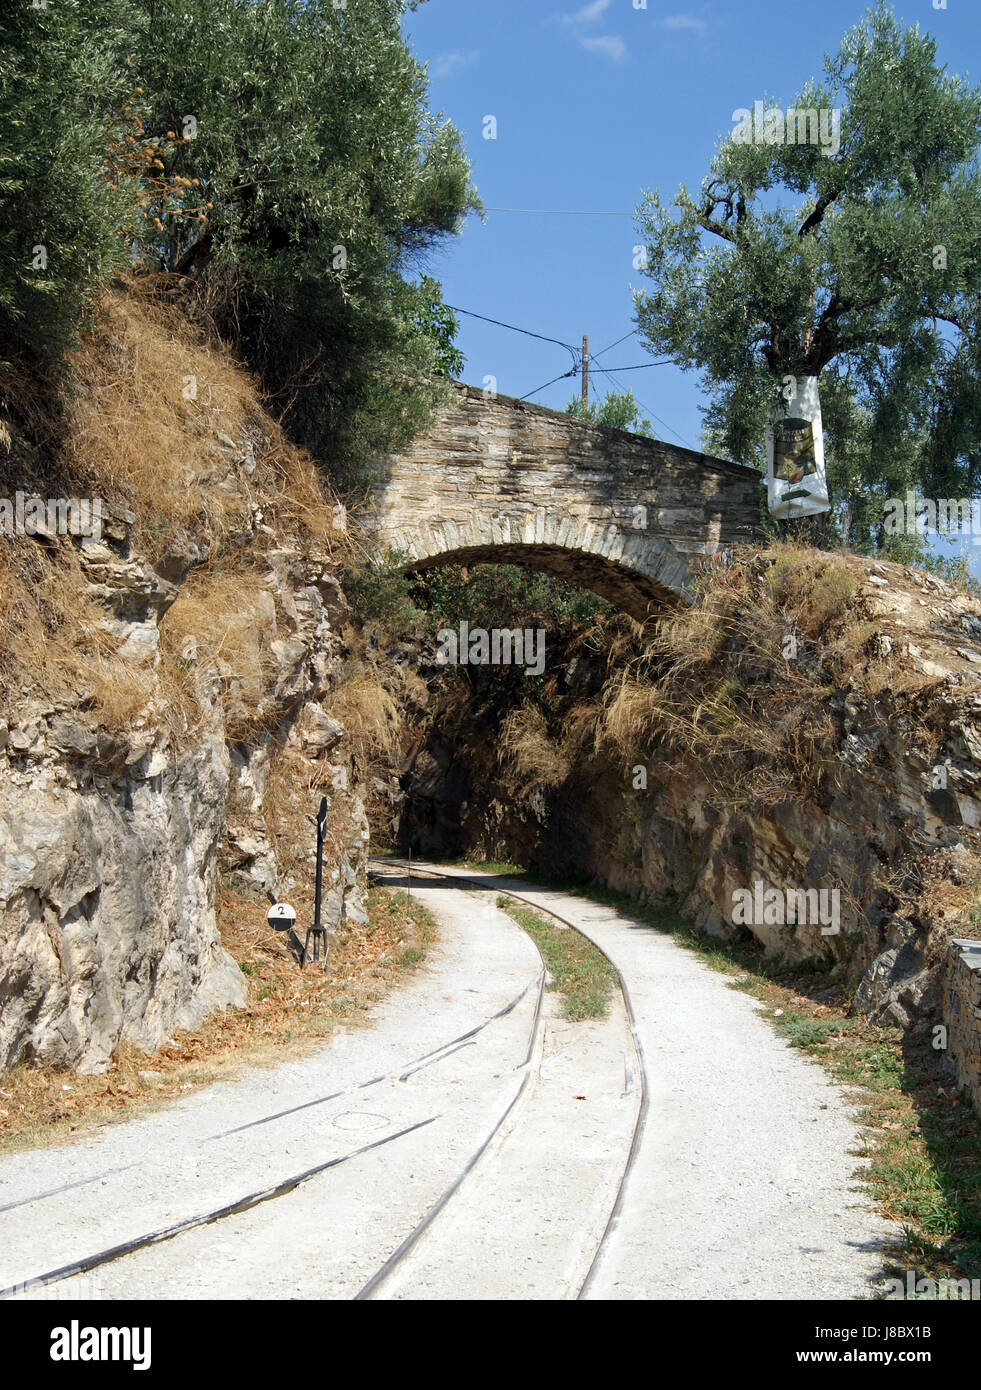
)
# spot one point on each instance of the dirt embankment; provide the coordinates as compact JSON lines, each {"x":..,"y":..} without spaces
{"x":170,"y":689}
{"x":812,"y":722}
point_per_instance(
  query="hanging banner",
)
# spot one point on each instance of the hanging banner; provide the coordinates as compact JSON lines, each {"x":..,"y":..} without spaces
{"x":796,"y":482}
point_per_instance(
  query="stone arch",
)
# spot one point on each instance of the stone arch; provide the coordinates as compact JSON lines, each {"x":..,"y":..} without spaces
{"x":500,"y":480}
{"x":639,"y":573}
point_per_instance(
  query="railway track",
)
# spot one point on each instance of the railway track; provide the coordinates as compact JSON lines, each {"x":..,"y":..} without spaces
{"x":461,"y":1101}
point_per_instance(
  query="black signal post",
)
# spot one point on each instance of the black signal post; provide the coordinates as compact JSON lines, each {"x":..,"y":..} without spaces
{"x":318,"y":932}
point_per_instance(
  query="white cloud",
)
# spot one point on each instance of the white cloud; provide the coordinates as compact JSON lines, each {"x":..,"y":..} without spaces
{"x":610,"y":44}
{"x":588,"y":12}
{"x":445,"y":64}
{"x":678,"y":22}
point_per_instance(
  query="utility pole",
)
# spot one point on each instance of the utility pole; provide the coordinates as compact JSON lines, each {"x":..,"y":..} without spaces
{"x":585,"y":370}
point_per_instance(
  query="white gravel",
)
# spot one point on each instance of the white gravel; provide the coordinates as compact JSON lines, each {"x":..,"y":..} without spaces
{"x":330,"y":1234}
{"x":742,"y":1184}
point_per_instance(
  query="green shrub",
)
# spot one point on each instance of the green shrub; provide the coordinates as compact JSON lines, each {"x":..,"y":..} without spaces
{"x":381,"y":591}
{"x":67,"y":214}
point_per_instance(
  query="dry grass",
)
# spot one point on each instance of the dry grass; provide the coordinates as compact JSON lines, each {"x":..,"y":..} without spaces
{"x":53,"y":642}
{"x":139,"y":426}
{"x":739,"y":682}
{"x":225,"y":619}
{"x":810,"y":586}
{"x":150,"y":395}
{"x":526,"y":749}
{"x":135,"y":435}
{"x":372,"y":719}
{"x":748,"y":685}
{"x":287,"y":1014}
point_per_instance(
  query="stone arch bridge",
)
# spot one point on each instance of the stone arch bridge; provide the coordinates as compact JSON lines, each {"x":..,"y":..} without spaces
{"x":503,"y":481}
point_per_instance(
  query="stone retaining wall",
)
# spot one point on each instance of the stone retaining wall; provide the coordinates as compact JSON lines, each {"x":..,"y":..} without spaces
{"x":962,"y":1015}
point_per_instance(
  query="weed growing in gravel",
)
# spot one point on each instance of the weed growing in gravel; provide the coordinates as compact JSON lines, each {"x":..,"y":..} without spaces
{"x":494,"y":866}
{"x":579,"y":969}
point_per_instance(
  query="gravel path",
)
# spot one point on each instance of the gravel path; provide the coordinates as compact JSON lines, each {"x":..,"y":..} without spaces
{"x":465,"y":1042}
{"x":743,"y":1186}
{"x":477,"y":1128}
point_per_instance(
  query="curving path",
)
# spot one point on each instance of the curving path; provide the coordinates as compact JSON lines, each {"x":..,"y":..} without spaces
{"x":742,"y":1184}
{"x":473,"y":1144}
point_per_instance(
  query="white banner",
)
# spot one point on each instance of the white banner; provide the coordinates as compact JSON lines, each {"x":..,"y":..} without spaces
{"x":796,"y":482}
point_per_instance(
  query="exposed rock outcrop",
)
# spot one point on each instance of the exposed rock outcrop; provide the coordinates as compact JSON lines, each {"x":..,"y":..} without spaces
{"x":891,"y":826}
{"x":123,"y":799}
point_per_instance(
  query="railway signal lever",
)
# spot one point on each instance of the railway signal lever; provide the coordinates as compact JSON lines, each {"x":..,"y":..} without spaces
{"x":282,"y":917}
{"x":318,"y":931}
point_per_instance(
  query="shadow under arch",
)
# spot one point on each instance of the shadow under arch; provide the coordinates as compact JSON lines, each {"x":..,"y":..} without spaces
{"x":639,"y":590}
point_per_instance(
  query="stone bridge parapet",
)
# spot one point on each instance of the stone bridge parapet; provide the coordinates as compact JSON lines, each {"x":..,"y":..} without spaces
{"x":503,"y":481}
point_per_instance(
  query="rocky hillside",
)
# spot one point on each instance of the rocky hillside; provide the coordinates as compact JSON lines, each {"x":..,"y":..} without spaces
{"x":813,"y":722}
{"x":177,"y":693}
{"x":166,"y":691}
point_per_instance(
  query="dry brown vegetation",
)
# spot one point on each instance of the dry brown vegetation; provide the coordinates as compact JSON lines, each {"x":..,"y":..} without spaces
{"x":742,"y":682}
{"x":527,"y":749}
{"x":149,"y":396}
{"x":293,"y":788}
{"x":746,"y":686}
{"x":224,"y":620}
{"x":370,"y":715}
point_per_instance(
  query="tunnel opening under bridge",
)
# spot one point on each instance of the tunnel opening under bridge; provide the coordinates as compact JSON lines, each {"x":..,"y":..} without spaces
{"x":633,"y":591}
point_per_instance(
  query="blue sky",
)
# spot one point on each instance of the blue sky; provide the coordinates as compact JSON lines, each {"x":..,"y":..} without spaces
{"x":595,"y":102}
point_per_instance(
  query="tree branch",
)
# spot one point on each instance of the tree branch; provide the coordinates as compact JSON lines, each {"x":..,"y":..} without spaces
{"x":820,"y":208}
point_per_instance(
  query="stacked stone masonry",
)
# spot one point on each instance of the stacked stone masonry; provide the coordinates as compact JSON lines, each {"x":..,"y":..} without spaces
{"x":962,"y":1015}
{"x":500,"y":480}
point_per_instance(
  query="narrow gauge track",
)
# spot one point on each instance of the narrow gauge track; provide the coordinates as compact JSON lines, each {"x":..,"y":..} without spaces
{"x":392,"y":1263}
{"x":436,"y":1055}
{"x":255,"y":1198}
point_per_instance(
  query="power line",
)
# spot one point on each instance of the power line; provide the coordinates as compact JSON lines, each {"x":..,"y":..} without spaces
{"x":580,"y":212}
{"x":640,"y":367}
{"x":571,"y":372}
{"x":526,"y":331}
{"x":576,"y":356}
{"x":606,"y":371}
{"x":616,"y":344}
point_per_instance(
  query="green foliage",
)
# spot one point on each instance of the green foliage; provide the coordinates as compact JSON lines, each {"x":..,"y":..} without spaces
{"x":381,"y":591}
{"x":792,"y":261}
{"x":619,"y":411}
{"x":801,"y":1030}
{"x":485,"y":596}
{"x":434,"y":321}
{"x":274,"y":160}
{"x":63,"y":83}
{"x":328,"y":180}
{"x":580,"y":971}
{"x":418,"y":605}
{"x":490,"y":596}
{"x":913,"y":550}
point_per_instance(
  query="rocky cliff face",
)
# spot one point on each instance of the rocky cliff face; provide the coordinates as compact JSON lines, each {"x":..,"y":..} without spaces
{"x":195,"y":742}
{"x":890,"y":822}
{"x":108,"y":883}
{"x":110,"y":842}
